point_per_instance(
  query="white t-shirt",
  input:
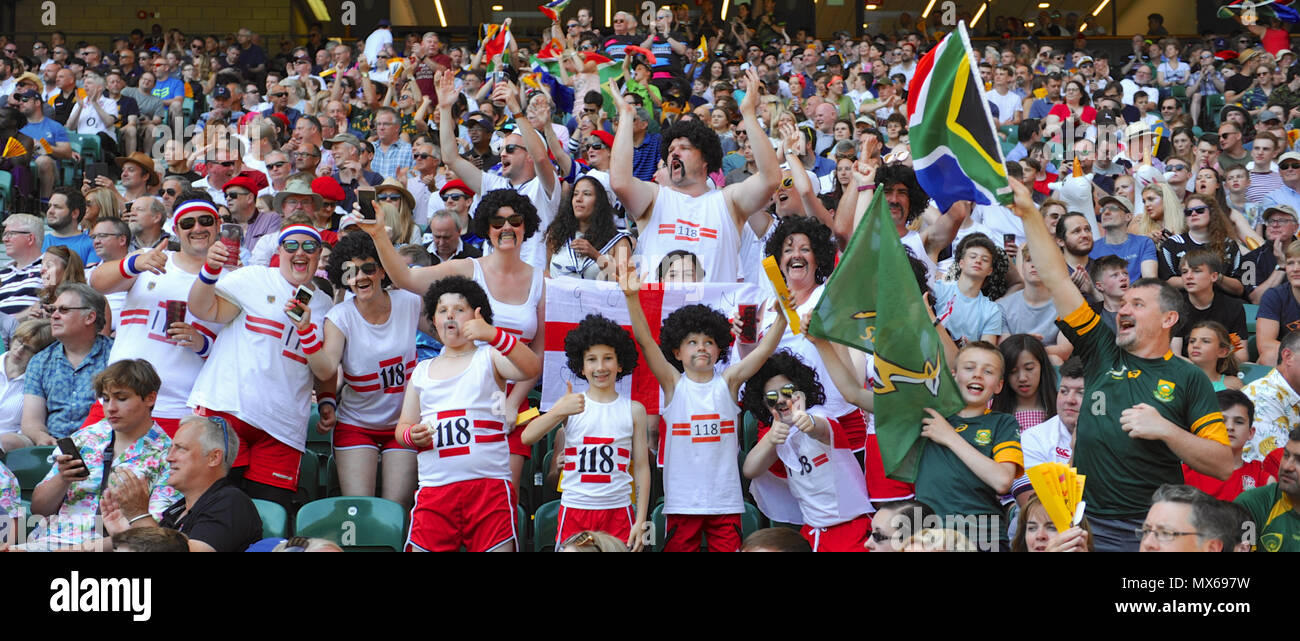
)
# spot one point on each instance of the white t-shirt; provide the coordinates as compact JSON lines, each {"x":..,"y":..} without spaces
{"x":142,"y":333}
{"x":377,"y":360}
{"x":1008,"y":105}
{"x":700,"y":446}
{"x":257,"y":371}
{"x":835,"y":405}
{"x":11,"y":400}
{"x":701,"y":225}
{"x":90,"y":122}
{"x":598,"y":456}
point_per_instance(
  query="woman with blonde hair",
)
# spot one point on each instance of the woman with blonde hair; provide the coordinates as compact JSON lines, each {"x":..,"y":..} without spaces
{"x":1162,"y":212}
{"x":101,"y":201}
{"x":30,"y":337}
{"x":402,"y":228}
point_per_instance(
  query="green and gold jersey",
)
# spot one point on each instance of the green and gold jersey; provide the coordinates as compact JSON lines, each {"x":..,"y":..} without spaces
{"x":945,"y":483}
{"x":1277,"y":526}
{"x":1123,"y":472}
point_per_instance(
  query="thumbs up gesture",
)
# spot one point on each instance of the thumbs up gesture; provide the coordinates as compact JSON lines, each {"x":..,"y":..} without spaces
{"x":477,"y":329}
{"x":154,"y":259}
{"x":570,"y":403}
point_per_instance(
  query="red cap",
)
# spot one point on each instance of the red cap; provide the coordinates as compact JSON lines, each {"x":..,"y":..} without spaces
{"x":328,"y":188}
{"x":456,"y":184}
{"x":604,"y":136}
{"x":242,"y":182}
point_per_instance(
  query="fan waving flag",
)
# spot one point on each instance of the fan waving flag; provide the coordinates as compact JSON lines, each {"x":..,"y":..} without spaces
{"x":496,"y":38}
{"x":569,"y":300}
{"x":872,"y":303}
{"x":553,"y":8}
{"x":955,"y":151}
{"x":1250,"y":11}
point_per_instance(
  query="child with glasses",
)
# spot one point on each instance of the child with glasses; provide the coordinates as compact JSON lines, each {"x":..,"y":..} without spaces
{"x":811,"y":452}
{"x":699,"y":440}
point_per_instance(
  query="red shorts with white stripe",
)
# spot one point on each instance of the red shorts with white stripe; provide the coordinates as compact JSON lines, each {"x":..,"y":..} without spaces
{"x":515,"y":439}
{"x":168,"y":425}
{"x":269,"y":461}
{"x":347,"y":437}
{"x":854,"y":426}
{"x":880,"y":487}
{"x":478,"y":514}
{"x":616,"y":522}
{"x":849,"y":536}
{"x":720,"y":531}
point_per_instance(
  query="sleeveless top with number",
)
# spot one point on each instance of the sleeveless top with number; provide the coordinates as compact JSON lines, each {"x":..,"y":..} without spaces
{"x":700,"y":225}
{"x":377,"y":360}
{"x":520,"y":320}
{"x":469,"y":438}
{"x":825,"y":479}
{"x":700,"y":446}
{"x":597,"y":456}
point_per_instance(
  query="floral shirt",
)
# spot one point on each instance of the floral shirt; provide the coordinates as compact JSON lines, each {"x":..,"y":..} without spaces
{"x":1277,"y":412}
{"x":76,"y":520}
{"x":9,"y":495}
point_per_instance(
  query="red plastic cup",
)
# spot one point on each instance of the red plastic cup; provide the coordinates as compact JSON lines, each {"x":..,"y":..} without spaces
{"x":748,"y":323}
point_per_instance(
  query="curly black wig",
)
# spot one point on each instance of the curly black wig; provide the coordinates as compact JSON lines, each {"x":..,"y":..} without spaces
{"x":473,"y":293}
{"x":699,"y":135}
{"x":600,"y":227}
{"x":782,"y":363}
{"x":691,"y":319}
{"x":496,"y":199}
{"x":819,"y":236}
{"x":890,"y":174}
{"x":355,"y":246}
{"x":598,"y":330}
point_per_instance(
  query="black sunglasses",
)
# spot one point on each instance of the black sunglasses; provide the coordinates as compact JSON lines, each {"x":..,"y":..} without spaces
{"x":510,"y":149}
{"x":224,"y":163}
{"x":773,"y":397}
{"x":1290,"y":165}
{"x":204,"y":220}
{"x":422,"y":156}
{"x":276,"y":165}
{"x":390,"y":197}
{"x":1199,"y":209}
{"x":515,"y":220}
{"x":596,"y":145}
{"x":365,"y":268}
{"x":454,"y":197}
{"x":292,"y":246}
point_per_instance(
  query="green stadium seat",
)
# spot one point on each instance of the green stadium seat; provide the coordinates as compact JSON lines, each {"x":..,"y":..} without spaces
{"x":522,"y":529}
{"x":1213,"y":105}
{"x":751,"y":521}
{"x":30,"y":465}
{"x":1252,"y":311}
{"x":91,"y":150}
{"x":1251,"y":372}
{"x":545,"y":524}
{"x":356,"y":523}
{"x":1012,"y":133}
{"x":6,"y":194}
{"x":1252,"y":349}
{"x":308,"y":479}
{"x":661,"y":527}
{"x":71,"y":174}
{"x":275,"y":520}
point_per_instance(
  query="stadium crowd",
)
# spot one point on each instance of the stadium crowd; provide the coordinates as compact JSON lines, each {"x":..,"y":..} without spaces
{"x":219,"y":255}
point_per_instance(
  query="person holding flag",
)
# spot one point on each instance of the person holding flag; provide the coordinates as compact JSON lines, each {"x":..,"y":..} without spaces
{"x":685,"y":213}
{"x":1146,"y":412}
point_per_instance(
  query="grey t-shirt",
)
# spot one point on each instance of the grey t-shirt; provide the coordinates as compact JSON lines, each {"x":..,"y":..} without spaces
{"x":1021,"y":318}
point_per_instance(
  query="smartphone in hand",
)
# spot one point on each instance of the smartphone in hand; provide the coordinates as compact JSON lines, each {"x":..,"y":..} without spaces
{"x":366,"y":198}
{"x":303,"y":295}
{"x":69,"y":448}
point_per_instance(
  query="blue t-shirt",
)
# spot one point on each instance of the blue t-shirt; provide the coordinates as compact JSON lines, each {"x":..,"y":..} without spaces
{"x":49,"y":129}
{"x":971,"y":318}
{"x":1135,"y":250}
{"x":1278,"y":304}
{"x":169,"y":88}
{"x":81,"y":244}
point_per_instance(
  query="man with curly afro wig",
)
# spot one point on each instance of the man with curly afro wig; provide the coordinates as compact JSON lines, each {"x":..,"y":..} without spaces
{"x":907,"y":201}
{"x":809,"y":455}
{"x":686,"y":212}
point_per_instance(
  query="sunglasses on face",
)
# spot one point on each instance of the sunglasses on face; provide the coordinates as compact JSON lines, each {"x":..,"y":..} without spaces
{"x":454,"y":197}
{"x":279,"y":94}
{"x":389,"y":198}
{"x":515,"y":220}
{"x":203,"y":220}
{"x":224,"y":163}
{"x":231,"y":195}
{"x":510,"y":149}
{"x":1290,"y":165}
{"x":292,"y":246}
{"x":1199,"y":209}
{"x":276,"y":165}
{"x":773,"y":397}
{"x":596,"y":145}
{"x":1177,"y":167}
{"x":351,"y":269}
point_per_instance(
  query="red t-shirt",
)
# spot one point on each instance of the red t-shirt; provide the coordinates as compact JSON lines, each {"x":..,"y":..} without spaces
{"x":1087,"y":114}
{"x":1247,"y":477}
{"x":1275,"y":40}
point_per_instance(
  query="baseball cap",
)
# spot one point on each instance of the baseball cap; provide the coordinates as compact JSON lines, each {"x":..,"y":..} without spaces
{"x":863,"y":120}
{"x":481,"y":123}
{"x":1282,"y":209}
{"x":341,"y":138}
{"x":221,"y":91}
{"x":1118,"y":200}
{"x":1266,"y":116}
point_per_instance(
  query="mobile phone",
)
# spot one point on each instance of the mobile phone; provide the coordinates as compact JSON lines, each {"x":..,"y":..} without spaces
{"x":367,"y":199}
{"x":69,"y":448}
{"x":304,"y":296}
{"x":1008,"y":239}
{"x":97,"y":169}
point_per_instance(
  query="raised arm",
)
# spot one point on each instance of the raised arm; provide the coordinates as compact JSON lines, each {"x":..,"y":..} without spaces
{"x":737,"y":374}
{"x":844,"y":380}
{"x":636,"y":195}
{"x":1047,"y":254}
{"x":755,"y":194}
{"x":664,"y":371}
{"x":536,"y":145}
{"x":445,"y":87}
{"x":802,"y":185}
{"x":204,"y":302}
{"x":415,"y":280}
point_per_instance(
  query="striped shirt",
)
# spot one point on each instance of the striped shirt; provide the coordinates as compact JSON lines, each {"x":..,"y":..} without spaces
{"x":20,"y":287}
{"x":1261,"y":184}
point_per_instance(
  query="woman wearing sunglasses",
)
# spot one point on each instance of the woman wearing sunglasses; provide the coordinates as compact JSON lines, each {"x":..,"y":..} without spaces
{"x":1208,"y":227}
{"x":813,"y":454}
{"x":372,"y":335}
{"x":257,"y":377}
{"x":403,"y":228}
{"x":515,"y":289}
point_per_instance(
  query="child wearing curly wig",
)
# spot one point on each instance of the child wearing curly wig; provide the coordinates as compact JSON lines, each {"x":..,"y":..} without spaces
{"x":699,"y":448}
{"x":812,"y":452}
{"x":604,"y":434}
{"x":974,"y":314}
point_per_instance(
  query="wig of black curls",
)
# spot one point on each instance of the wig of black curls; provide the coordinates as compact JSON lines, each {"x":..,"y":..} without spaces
{"x":352,"y":246}
{"x":782,"y":363}
{"x":691,"y":319}
{"x":600,"y":227}
{"x":819,"y":236}
{"x":598,"y":330}
{"x":890,"y":174}
{"x":700,"y":135}
{"x":995,"y":286}
{"x":472,"y":291}
{"x":496,"y":199}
